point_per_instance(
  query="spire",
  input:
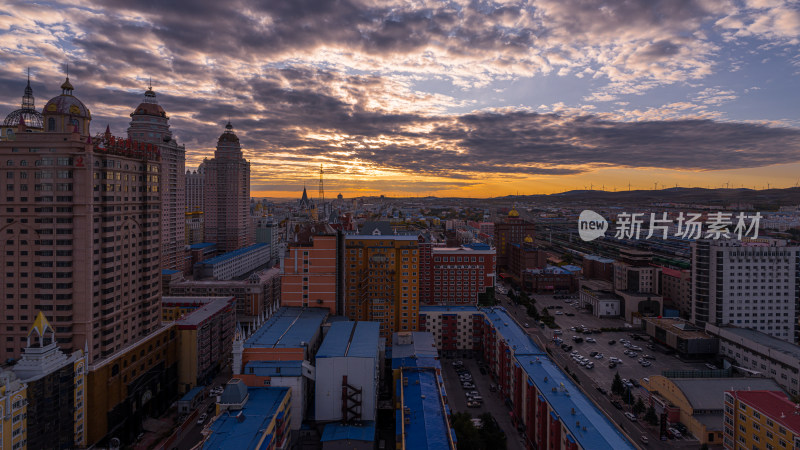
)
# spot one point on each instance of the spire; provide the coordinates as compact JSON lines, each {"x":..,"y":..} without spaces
{"x":27,"y":97}
{"x":229,"y":127}
{"x":149,"y":94}
{"x":66,"y":87}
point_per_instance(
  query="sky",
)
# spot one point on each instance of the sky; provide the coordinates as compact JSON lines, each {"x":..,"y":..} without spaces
{"x":420,"y":97}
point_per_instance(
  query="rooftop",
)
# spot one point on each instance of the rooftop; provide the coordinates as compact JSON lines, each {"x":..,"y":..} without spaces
{"x":200,"y":245}
{"x":428,"y":427}
{"x":242,"y":430}
{"x":361,"y":431}
{"x":189,"y":396}
{"x":706,"y":393}
{"x":234,"y":254}
{"x":289,"y":327}
{"x":599,"y":259}
{"x":515,"y":336}
{"x":447,"y":308}
{"x":208,"y":307}
{"x":421,"y":352}
{"x":680,"y":327}
{"x":274,"y":368}
{"x":774,"y":404}
{"x":587,"y":424}
{"x":169,"y":271}
{"x":773,"y":343}
{"x":354,"y":339}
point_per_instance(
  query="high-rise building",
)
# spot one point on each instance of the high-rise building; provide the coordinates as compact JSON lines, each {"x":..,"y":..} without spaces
{"x":226,"y":194}
{"x":760,"y":419}
{"x":149,"y":123}
{"x":26,"y":114}
{"x":13,"y":411}
{"x":309,"y":273}
{"x":459,"y":274}
{"x":195,"y":181}
{"x":382,"y":281}
{"x":750,"y":284}
{"x":81,"y":233}
{"x":512,"y":230}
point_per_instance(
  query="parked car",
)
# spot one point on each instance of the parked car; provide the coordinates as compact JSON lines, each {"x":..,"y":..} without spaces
{"x":644,"y":440}
{"x":675,"y":432}
{"x":591,"y":340}
{"x":593,"y":354}
{"x":201,"y":420}
{"x":559,"y":313}
{"x":569,"y":314}
{"x":617,"y":404}
{"x":473,"y":405}
{"x":601,"y":390}
{"x":630,"y":416}
{"x":612,"y":342}
{"x":526,"y":325}
{"x":612,"y":365}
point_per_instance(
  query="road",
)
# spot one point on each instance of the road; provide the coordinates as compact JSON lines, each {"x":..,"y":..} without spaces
{"x":492,"y":401}
{"x":587,"y":380}
{"x":191,"y":436}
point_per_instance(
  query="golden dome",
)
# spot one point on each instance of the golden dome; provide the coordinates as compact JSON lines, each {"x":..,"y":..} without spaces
{"x":513,"y":213}
{"x":528,"y":240}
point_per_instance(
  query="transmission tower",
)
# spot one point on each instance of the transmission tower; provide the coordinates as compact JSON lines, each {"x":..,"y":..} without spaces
{"x":321,"y":189}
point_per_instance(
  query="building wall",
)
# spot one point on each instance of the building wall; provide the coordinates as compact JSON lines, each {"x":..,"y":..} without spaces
{"x":382,"y":279}
{"x":361,"y":373}
{"x":458,"y":276}
{"x":140,"y":380}
{"x":13,"y":412}
{"x":511,"y":231}
{"x":88,"y":214}
{"x":676,"y":288}
{"x":746,"y":426}
{"x":236,"y":266}
{"x":309,"y":274}
{"x":453,"y":331}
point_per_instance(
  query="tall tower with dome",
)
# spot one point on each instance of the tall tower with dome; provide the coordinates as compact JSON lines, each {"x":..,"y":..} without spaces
{"x":150,"y":123}
{"x":26,"y":114}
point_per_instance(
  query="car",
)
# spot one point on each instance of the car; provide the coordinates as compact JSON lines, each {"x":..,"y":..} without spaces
{"x":202,"y":418}
{"x":681,"y":427}
{"x":647,"y":364}
{"x":601,"y":390}
{"x":459,"y":363}
{"x":591,"y":340}
{"x":617,"y":404}
{"x":492,"y":388}
{"x":630,"y":416}
{"x":583,"y":363}
{"x":569,"y":314}
{"x":577,"y":339}
{"x":593,"y":354}
{"x":649,"y":357}
{"x":559,"y":313}
{"x":473,"y":405}
{"x":632,"y":354}
{"x":612,"y":364}
{"x":469,"y":386}
{"x":675,"y":432}
{"x":574,"y":352}
{"x":646,"y":380}
{"x":526,"y":325}
{"x":598,"y":356}
{"x":589,"y":365}
{"x":559,"y":307}
{"x":644,"y":439}
{"x":612,"y":342}
{"x":711,"y":366}
{"x":634,"y":382}
{"x":557,"y":332}
{"x":651,"y":346}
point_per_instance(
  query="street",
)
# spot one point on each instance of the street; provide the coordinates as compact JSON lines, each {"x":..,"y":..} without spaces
{"x":588,"y":379}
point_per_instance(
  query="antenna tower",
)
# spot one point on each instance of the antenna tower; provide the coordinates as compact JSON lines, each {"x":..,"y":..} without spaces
{"x":321,"y":188}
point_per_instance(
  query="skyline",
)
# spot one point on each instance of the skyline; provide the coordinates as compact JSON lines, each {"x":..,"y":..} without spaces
{"x":446,"y":99}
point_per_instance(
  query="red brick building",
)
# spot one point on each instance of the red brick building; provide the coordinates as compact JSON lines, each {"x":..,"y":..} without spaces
{"x":513,"y":230}
{"x":457,"y":275}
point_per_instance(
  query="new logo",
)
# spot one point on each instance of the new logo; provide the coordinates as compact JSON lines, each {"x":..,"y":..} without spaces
{"x":591,"y":225}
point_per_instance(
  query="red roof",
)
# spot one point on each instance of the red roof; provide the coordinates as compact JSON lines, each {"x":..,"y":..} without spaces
{"x":774,"y":404}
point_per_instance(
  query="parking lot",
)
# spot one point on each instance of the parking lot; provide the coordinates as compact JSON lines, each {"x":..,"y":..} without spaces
{"x":629,"y":367}
{"x":492,"y":402}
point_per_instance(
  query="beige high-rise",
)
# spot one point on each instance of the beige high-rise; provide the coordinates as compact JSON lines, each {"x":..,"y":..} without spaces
{"x":80,"y":230}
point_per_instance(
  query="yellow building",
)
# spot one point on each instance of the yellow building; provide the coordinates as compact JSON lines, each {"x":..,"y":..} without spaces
{"x":698,"y":402}
{"x":382,"y":281}
{"x":760,"y":419}
{"x":13,"y":412}
{"x":138,"y":381}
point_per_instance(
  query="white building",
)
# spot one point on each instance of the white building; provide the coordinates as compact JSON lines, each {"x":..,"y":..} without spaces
{"x":749,"y":284}
{"x":233,"y":264}
{"x":760,"y":354}
{"x":455,"y":328}
{"x":602,"y":303}
{"x":348,"y":359}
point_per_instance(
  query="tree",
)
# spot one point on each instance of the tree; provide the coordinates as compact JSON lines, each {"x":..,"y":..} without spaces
{"x":492,"y":435}
{"x":627,"y":396}
{"x":650,"y":416}
{"x":533,"y":312}
{"x":467,"y":435}
{"x":616,"y":386}
{"x":638,"y":407}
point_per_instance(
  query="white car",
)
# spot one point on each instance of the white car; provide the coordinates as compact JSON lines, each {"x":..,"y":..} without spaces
{"x":202,"y":419}
{"x":591,"y":340}
{"x":598,"y":356}
{"x":559,"y":313}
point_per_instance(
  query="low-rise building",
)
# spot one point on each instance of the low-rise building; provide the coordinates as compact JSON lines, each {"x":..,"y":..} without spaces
{"x":250,"y":418}
{"x":689,"y":341}
{"x":456,"y":329}
{"x":600,"y":302}
{"x":760,"y":419}
{"x":347,"y":368}
{"x":758,"y":353}
{"x":353,"y":436}
{"x":597,"y":267}
{"x":676,"y":288}
{"x":205,"y":331}
{"x":700,"y":401}
{"x":233,"y":264}
{"x":549,"y":279}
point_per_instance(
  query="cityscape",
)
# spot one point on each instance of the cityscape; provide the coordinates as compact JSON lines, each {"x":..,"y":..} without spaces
{"x":458,"y":226}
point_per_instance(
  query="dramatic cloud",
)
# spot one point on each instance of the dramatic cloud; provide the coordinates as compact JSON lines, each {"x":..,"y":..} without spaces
{"x":383,"y":90}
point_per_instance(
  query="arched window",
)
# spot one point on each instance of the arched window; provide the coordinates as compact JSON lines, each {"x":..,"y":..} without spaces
{"x":51,"y":124}
{"x":10,"y":162}
{"x":23,"y":163}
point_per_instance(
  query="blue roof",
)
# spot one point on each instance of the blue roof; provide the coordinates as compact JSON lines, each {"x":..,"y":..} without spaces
{"x":572,"y":268}
{"x":230,"y":255}
{"x":478,"y":246}
{"x":200,"y":245}
{"x":364,"y":431}
{"x":516,"y":337}
{"x":595,"y":430}
{"x":421,"y":352}
{"x":227,"y":432}
{"x":357,"y":339}
{"x":189,"y":396}
{"x":598,"y":258}
{"x":288,"y":328}
{"x":427,"y":427}
{"x":274,"y":368}
{"x":447,"y":308}
{"x":169,"y":271}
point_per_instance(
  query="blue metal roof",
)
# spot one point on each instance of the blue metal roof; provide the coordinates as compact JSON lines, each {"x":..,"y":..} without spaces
{"x":516,"y":337}
{"x":427,"y":427}
{"x":478,"y":246}
{"x":447,"y":308}
{"x":288,"y":328}
{"x":595,"y":430}
{"x":230,"y":255}
{"x":200,"y":245}
{"x":228,"y":432}
{"x":357,"y":339}
{"x":189,"y":396}
{"x":364,"y":431}
{"x":274,"y":368}
{"x":169,"y":271}
{"x":421,"y":352}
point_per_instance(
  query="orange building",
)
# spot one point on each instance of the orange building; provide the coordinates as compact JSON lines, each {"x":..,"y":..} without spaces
{"x":310,"y":274}
{"x":760,"y":419}
{"x":382,"y":280}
